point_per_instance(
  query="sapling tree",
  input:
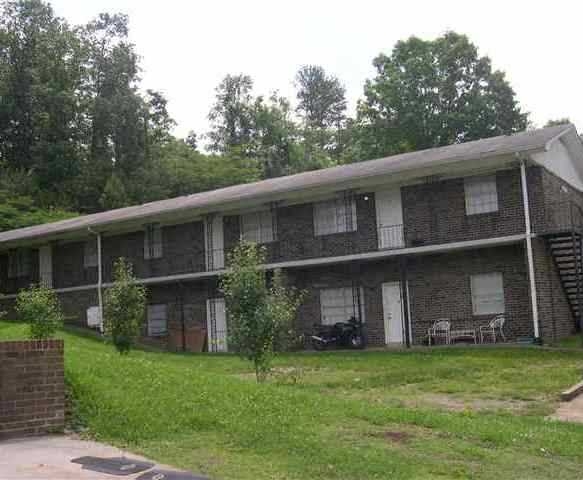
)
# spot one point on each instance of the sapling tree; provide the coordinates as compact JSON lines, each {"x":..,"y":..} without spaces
{"x":40,"y":308}
{"x":124,"y":307}
{"x":260,"y":315}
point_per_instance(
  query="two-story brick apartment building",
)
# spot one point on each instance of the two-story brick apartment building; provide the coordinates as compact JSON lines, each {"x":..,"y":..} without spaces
{"x":465,"y":232}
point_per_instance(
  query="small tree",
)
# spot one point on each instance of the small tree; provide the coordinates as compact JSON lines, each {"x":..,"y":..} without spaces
{"x":39,"y":307}
{"x":124,"y":307}
{"x":260,"y":316}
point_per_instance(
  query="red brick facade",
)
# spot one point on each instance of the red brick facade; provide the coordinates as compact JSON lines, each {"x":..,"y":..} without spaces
{"x":32,"y":388}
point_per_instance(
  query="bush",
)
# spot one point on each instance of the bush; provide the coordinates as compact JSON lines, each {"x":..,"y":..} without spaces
{"x":260,"y":317}
{"x":39,"y":307}
{"x":124,"y":307}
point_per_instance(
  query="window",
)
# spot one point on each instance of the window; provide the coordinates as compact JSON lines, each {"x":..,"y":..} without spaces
{"x":19,"y":263}
{"x":153,"y":241}
{"x":258,"y":227}
{"x":339,"y":304}
{"x":487,"y":293}
{"x":157,"y":320}
{"x":481,"y":195}
{"x":90,"y":254}
{"x":335,"y":216}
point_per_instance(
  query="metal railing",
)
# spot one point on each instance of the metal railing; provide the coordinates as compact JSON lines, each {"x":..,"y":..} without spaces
{"x":391,"y":236}
{"x":218,"y":341}
{"x":559,"y":217}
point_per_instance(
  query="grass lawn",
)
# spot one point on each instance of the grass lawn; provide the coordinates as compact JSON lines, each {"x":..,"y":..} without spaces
{"x":447,"y":413}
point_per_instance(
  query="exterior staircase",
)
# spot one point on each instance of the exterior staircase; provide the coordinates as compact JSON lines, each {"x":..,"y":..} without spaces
{"x":564,"y":236}
{"x":566,"y":249}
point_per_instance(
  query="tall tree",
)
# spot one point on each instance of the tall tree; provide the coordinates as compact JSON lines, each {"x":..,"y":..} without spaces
{"x":432,"y":93}
{"x":231,"y":116}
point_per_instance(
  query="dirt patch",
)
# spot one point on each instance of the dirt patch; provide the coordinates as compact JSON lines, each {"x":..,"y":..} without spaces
{"x":570,"y":411}
{"x":447,"y":402}
{"x":395,"y":436}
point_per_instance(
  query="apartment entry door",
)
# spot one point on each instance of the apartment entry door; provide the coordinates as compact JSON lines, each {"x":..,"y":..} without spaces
{"x":393,"y":313}
{"x":216,"y":325}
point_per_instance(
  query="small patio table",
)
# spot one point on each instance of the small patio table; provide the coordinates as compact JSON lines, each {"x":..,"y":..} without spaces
{"x":464,"y":334}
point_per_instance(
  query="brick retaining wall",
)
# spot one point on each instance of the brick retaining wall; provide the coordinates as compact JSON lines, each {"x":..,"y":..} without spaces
{"x":32,"y":388}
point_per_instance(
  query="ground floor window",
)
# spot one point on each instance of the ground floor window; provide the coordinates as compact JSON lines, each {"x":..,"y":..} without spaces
{"x":340,"y":304}
{"x":487,"y":293}
{"x":157,"y":320}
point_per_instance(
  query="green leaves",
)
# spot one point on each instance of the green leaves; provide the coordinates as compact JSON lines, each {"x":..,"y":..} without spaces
{"x":260,"y":317}
{"x":39,"y":307}
{"x":124,"y":307}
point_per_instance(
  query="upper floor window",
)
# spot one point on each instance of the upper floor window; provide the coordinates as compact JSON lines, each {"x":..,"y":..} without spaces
{"x":481,"y":195}
{"x":153,"y":241}
{"x":258,"y":227}
{"x":487,"y":293}
{"x":19,"y":263}
{"x":335,"y":216}
{"x":90,"y":254}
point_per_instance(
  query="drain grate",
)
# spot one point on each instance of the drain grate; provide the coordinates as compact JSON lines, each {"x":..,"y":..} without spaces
{"x":168,"y":475}
{"x":113,"y":466}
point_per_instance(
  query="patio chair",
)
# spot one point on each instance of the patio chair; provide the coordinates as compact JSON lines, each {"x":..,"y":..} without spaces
{"x":496,"y":325}
{"x":440,"y":329}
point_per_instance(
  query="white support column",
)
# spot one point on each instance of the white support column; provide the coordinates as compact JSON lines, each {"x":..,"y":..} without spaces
{"x":530,"y":258}
{"x":99,"y":281}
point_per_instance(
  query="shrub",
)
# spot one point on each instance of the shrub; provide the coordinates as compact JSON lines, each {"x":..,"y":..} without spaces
{"x":260,"y":317}
{"x":39,"y":307}
{"x":124,"y":307}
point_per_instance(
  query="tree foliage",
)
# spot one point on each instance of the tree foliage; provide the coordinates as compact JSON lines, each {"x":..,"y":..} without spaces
{"x":429,"y":93}
{"x":124,"y":307}
{"x":39,"y":307}
{"x":260,"y":316}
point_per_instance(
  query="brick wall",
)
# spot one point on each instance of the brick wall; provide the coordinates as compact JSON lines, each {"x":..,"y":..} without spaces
{"x":435,"y":212}
{"x":32,"y":388}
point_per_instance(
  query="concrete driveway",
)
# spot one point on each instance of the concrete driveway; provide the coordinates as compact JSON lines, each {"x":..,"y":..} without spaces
{"x":49,"y":458}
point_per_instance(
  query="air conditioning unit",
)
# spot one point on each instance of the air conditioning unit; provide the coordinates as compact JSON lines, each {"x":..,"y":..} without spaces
{"x":94,"y":317}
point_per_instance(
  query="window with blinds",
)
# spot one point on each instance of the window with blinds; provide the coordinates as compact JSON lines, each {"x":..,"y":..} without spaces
{"x":90,"y":254}
{"x":335,"y":216}
{"x":258,"y":227}
{"x":19,"y":263}
{"x":340,"y":304}
{"x":157,"y":320}
{"x":153,"y":241}
{"x":481,"y":195}
{"x":487,"y":293}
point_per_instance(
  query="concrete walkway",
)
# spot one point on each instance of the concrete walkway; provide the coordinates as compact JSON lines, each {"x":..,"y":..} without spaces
{"x":49,"y":458}
{"x":570,"y":411}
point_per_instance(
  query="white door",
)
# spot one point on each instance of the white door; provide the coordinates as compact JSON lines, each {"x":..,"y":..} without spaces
{"x":393,"y":312}
{"x":214,"y":243}
{"x":45,"y":259}
{"x":216,"y":325}
{"x":390,"y":218}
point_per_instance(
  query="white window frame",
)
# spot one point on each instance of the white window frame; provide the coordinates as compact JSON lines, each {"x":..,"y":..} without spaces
{"x":481,"y":195}
{"x":487,"y":299}
{"x":90,"y":254}
{"x":19,"y":263}
{"x":258,"y":227}
{"x":157,"y":313}
{"x":344,"y":309}
{"x":153,"y":241}
{"x":330,"y":216}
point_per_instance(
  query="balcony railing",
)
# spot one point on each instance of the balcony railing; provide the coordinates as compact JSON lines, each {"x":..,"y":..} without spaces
{"x":559,"y":217}
{"x":391,"y":236}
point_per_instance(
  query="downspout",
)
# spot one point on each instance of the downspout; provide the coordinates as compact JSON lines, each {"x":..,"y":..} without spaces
{"x":99,"y":277}
{"x":529,"y":255}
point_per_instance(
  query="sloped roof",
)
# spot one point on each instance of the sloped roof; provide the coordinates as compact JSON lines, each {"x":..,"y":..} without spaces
{"x":501,"y":145}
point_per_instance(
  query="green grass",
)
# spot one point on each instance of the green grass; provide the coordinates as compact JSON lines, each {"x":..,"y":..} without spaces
{"x":448,"y":413}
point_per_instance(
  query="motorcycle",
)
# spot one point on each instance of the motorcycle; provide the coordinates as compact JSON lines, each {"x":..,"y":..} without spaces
{"x":341,"y":334}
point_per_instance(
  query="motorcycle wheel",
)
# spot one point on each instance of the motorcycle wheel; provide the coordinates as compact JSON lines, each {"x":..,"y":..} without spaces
{"x":318,"y":345}
{"x":356,"y":341}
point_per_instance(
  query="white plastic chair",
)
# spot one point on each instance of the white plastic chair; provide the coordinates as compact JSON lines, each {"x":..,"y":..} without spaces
{"x":440,"y":329}
{"x":496,"y":325}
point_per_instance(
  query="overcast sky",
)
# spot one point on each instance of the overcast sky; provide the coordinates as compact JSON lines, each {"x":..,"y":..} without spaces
{"x":187,"y":47}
